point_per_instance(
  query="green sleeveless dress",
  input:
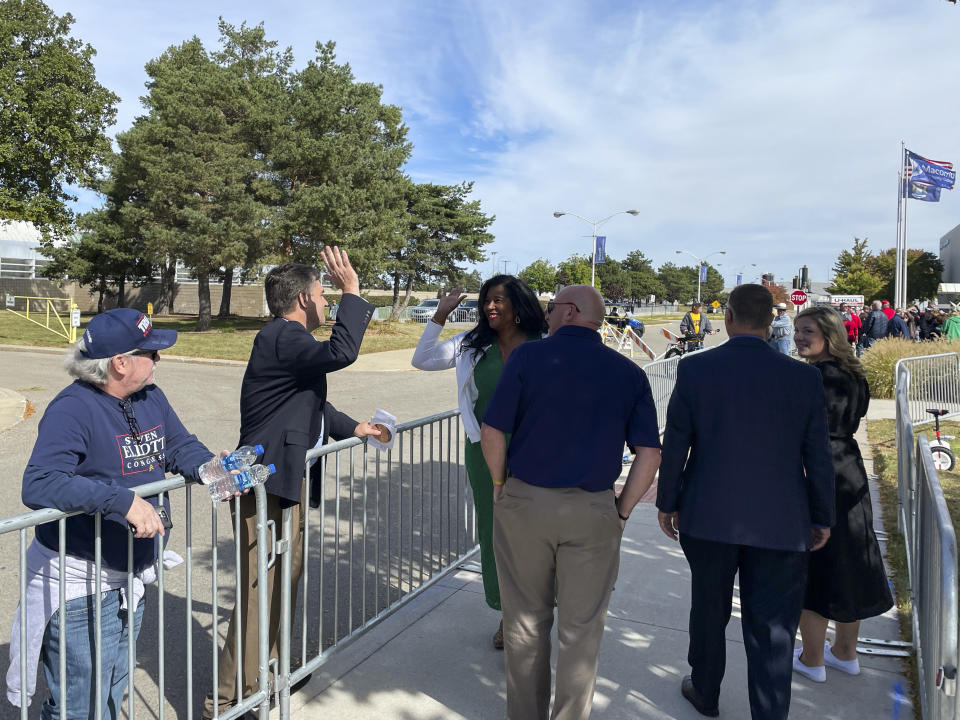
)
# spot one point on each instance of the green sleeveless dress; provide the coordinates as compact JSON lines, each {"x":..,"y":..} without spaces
{"x":486,"y":374}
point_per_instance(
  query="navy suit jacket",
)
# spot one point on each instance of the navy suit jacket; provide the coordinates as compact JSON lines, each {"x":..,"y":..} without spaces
{"x":746,"y":452}
{"x":284,"y":393}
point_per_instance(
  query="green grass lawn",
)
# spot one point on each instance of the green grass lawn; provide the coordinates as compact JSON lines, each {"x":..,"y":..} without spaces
{"x":881,"y":434}
{"x":229,"y":339}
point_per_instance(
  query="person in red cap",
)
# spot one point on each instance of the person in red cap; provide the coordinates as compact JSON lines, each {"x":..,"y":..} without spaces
{"x":887,"y":310}
{"x":101,"y":437}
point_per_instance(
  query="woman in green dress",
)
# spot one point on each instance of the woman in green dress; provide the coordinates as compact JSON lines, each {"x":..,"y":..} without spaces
{"x":509,"y":314}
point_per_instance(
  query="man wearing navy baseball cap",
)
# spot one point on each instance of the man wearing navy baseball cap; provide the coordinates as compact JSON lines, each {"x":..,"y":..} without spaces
{"x":106,"y":433}
{"x":124,"y":330}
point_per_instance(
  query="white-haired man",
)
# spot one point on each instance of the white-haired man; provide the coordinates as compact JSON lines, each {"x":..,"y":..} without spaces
{"x":109,"y":431}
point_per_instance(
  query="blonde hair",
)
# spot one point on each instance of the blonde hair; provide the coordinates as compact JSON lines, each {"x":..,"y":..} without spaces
{"x":835,"y":335}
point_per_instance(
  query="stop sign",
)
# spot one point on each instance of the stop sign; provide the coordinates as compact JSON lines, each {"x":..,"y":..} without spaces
{"x":798,"y":297}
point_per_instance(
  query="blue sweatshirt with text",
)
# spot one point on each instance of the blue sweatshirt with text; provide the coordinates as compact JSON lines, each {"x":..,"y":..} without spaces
{"x":86,"y":458}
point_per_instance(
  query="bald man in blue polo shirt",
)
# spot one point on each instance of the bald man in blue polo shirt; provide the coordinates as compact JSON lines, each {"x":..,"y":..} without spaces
{"x":570,"y":403}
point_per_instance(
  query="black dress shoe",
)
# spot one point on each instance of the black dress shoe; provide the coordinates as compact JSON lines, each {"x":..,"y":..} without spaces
{"x":689,"y":692}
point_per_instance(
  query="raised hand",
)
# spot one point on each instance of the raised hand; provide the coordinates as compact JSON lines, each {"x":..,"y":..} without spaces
{"x":339,"y":270}
{"x":448,"y":303}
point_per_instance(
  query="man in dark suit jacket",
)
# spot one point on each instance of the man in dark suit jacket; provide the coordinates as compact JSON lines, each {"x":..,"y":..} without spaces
{"x":283,"y":406}
{"x":747,"y":481}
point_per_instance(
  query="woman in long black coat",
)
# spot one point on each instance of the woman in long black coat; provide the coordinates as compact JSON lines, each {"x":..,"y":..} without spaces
{"x":847,"y":581}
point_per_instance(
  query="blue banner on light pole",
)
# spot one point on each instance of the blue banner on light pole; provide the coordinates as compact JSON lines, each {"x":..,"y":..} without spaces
{"x":703,"y":273}
{"x":601,"y":250}
{"x":739,"y":278}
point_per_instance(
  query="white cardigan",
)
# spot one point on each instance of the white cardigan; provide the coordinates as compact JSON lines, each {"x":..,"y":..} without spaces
{"x":433,"y":355}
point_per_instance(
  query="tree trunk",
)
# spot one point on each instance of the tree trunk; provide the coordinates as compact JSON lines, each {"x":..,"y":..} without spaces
{"x":227,"y":290}
{"x":168,"y":277}
{"x":203,"y":301}
{"x":102,"y":291}
{"x":122,"y":291}
{"x":169,"y":281}
{"x":395,"y":312}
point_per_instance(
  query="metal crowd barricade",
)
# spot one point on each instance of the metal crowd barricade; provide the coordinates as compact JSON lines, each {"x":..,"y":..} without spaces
{"x":929,"y":536}
{"x":934,"y":591}
{"x":935,"y":382}
{"x":25,"y":523}
{"x":662,"y":375}
{"x":388,"y":526}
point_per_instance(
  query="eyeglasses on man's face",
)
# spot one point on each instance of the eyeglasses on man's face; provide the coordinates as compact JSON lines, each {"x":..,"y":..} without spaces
{"x":152,"y":354}
{"x":552,"y":304}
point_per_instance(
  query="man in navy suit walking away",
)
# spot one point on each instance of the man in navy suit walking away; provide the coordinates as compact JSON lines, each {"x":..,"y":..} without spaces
{"x":746,"y":481}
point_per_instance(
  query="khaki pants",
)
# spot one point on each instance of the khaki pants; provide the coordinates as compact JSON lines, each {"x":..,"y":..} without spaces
{"x":247,"y":607}
{"x":561,"y":543}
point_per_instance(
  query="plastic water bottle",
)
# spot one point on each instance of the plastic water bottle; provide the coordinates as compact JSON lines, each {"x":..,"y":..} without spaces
{"x":219,"y":467}
{"x":225,"y":488}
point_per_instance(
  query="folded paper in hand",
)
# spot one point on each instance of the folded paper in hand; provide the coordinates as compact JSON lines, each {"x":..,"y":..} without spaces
{"x":387,"y":424}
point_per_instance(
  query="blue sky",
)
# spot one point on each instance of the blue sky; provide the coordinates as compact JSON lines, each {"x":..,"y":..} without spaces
{"x":770,"y":129}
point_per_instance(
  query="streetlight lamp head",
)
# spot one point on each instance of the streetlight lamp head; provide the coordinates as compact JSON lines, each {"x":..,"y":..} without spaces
{"x":558,"y":214}
{"x":678,"y":251}
{"x":633,"y":212}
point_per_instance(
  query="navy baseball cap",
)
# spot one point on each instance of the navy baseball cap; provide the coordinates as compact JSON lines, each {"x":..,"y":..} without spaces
{"x":122,"y":330}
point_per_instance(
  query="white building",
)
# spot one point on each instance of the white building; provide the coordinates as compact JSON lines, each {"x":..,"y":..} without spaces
{"x":20,"y":255}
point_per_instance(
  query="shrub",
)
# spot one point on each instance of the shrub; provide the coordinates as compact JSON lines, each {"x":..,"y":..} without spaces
{"x":880,"y":360}
{"x":375,"y":300}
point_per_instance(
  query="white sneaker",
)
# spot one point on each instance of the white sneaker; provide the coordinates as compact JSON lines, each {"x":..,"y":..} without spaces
{"x":850,"y":667}
{"x":817,"y":673}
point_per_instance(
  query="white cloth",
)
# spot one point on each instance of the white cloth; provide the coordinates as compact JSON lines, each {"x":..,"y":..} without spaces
{"x":433,"y":355}
{"x":43,"y":599}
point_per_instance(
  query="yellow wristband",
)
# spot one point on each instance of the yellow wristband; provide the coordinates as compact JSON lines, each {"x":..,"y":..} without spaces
{"x":502,"y":482}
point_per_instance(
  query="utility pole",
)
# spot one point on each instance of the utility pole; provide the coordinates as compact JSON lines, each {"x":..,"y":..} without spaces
{"x":494,"y":253}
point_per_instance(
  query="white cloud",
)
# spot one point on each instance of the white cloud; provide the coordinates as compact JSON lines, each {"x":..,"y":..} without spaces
{"x":768,"y":129}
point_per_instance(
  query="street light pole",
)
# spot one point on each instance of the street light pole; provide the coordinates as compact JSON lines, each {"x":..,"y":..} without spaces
{"x":595,"y":224}
{"x":700,"y":263}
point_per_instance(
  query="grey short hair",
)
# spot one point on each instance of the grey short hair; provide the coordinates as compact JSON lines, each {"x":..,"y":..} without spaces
{"x":90,"y":370}
{"x":876,"y":305}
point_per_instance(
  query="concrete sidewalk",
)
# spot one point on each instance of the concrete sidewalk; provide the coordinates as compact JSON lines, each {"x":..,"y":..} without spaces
{"x":434,"y":659}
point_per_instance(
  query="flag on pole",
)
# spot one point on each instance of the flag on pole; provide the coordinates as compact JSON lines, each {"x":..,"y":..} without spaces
{"x":929,"y":172}
{"x":601,"y":254}
{"x":921,"y":191}
{"x":703,"y":273}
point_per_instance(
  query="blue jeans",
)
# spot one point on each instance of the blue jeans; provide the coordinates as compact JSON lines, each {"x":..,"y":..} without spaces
{"x":781,"y":345}
{"x":80,"y":648}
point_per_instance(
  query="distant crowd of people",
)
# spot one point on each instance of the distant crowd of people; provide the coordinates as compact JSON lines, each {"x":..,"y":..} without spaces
{"x":875,"y":322}
{"x":881,"y":320}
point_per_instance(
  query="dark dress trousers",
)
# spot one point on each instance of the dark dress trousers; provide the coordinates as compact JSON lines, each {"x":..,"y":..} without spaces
{"x":284,"y":392}
{"x":747,"y":465}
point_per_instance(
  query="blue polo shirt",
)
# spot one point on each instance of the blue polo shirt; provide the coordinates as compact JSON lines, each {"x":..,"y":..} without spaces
{"x":571,"y":403}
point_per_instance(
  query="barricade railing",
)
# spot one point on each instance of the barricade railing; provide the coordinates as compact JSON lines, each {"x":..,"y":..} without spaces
{"x":934,"y":590}
{"x":387,"y":526}
{"x":662,"y":375}
{"x":935,"y":384}
{"x":179,"y":631}
{"x":931,"y":547}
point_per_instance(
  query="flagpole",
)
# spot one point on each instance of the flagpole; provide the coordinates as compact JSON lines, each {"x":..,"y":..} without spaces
{"x":897,"y":291}
{"x":903,"y":250}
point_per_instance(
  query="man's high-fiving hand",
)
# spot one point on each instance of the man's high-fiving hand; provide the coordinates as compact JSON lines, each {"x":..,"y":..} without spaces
{"x":339,"y":270}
